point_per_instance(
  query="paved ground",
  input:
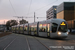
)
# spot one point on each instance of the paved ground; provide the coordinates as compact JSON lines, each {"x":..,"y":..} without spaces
{"x":0,"y":32}
{"x":26,"y":42}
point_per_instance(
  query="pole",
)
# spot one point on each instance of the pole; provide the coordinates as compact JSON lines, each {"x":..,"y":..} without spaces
{"x":34,"y":16}
{"x":4,"y":21}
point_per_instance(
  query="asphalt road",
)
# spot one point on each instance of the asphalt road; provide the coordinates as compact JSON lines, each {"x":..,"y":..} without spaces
{"x":0,"y":32}
{"x":26,"y":42}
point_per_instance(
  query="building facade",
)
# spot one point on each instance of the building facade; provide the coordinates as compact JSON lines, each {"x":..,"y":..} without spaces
{"x":51,"y":13}
{"x":2,"y":27}
{"x":66,"y":10}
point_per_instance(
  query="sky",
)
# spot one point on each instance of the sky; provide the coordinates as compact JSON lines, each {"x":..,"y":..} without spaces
{"x":26,"y":8}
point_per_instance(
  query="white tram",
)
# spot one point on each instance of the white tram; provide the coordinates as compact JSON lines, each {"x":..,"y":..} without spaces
{"x":53,"y":28}
{"x":26,"y":28}
{"x":17,"y":28}
{"x":14,"y":29}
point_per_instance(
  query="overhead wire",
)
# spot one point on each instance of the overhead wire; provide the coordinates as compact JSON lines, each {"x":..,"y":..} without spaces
{"x":44,"y":6}
{"x":12,"y":7}
{"x":40,"y":8}
{"x":29,"y":7}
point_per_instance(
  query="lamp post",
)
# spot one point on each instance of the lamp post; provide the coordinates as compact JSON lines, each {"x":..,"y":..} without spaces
{"x":34,"y":16}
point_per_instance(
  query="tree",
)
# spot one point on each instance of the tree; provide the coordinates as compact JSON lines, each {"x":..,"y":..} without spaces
{"x":23,"y":21}
{"x":11,"y":23}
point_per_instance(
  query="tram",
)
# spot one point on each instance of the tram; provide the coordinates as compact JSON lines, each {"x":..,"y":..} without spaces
{"x":53,"y":28}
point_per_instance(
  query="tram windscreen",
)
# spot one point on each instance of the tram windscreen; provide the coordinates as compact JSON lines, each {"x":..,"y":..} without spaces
{"x":54,"y":27}
{"x":63,"y":27}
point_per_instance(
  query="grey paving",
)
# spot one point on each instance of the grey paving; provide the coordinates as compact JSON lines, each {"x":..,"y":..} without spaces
{"x":61,"y":43}
{"x":34,"y":44}
{"x":5,"y":42}
{"x":18,"y":42}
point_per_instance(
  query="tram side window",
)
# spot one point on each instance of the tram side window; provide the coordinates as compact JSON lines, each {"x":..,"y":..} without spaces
{"x":17,"y":28}
{"x":42,"y":28}
{"x":21,"y":28}
{"x":54,"y":27}
{"x":48,"y":27}
{"x":12,"y":28}
{"x":32,"y":29}
{"x":35,"y":27}
{"x":25,"y":28}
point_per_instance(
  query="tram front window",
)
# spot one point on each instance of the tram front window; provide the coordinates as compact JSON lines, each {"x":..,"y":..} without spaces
{"x":54,"y":27}
{"x":63,"y":27}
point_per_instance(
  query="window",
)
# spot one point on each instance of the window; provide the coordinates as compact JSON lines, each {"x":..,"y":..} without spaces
{"x":12,"y":28}
{"x":21,"y":27}
{"x":35,"y":28}
{"x":25,"y":28}
{"x":17,"y":28}
{"x":42,"y":28}
{"x":54,"y":8}
{"x":32,"y":28}
{"x":63,"y":27}
{"x":48,"y":27}
{"x":54,"y":27}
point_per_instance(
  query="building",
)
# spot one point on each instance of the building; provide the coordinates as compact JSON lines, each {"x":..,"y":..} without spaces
{"x":51,"y":13}
{"x":2,"y":27}
{"x":66,"y":10}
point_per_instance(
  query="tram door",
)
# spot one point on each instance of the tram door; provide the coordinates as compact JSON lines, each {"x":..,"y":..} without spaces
{"x":48,"y":30}
{"x":29,"y":30}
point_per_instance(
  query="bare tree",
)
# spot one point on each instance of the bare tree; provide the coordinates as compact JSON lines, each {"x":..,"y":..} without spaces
{"x":11,"y":23}
{"x":23,"y":21}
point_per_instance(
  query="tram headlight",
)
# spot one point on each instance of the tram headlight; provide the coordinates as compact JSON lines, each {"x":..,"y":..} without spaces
{"x":59,"y":33}
{"x":67,"y":32}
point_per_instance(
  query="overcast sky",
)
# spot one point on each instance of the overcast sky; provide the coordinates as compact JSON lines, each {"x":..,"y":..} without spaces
{"x":26,"y":8}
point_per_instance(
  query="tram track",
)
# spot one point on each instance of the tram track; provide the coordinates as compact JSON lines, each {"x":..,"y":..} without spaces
{"x":42,"y":44}
{"x":29,"y":47}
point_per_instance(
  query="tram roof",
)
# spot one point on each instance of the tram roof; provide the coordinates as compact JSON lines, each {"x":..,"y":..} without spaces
{"x":52,"y":21}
